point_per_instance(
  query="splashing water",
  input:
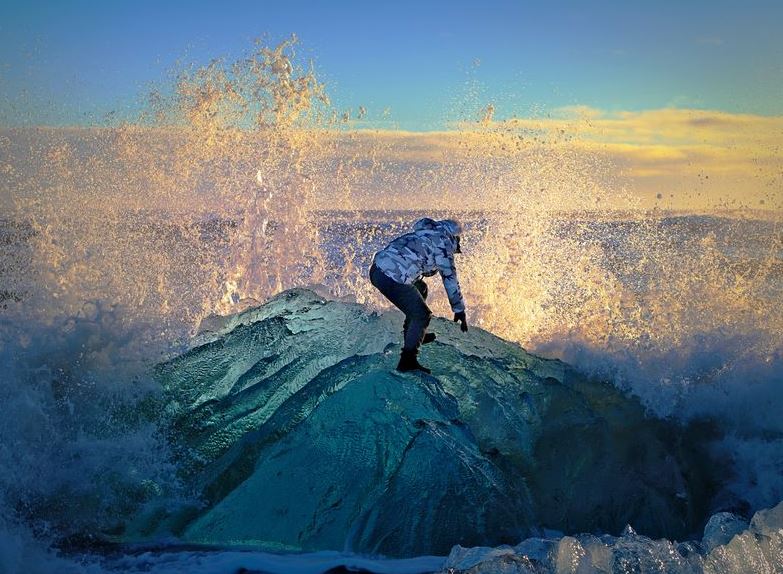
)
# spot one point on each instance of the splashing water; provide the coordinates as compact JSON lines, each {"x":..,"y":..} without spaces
{"x":241,"y":180}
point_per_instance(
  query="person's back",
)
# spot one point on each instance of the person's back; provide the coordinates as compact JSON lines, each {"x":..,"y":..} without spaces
{"x":397,"y":272}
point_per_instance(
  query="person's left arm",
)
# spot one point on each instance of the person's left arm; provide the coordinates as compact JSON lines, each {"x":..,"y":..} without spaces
{"x":448,"y":272}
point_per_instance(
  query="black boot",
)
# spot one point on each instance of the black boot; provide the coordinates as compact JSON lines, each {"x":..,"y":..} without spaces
{"x":409,"y":362}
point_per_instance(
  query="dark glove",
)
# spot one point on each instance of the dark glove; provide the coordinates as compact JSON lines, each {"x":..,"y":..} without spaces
{"x":460,"y":318}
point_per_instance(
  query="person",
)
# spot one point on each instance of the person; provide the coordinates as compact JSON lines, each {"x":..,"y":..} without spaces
{"x":398,"y":269}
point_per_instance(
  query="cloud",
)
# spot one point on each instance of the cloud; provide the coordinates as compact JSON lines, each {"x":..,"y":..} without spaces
{"x":668,"y":157}
{"x":669,"y":126}
{"x":679,"y":149}
{"x":704,"y":156}
{"x":737,"y":141}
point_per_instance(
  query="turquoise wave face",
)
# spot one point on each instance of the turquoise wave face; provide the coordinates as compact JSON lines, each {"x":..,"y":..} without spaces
{"x":298,"y":434}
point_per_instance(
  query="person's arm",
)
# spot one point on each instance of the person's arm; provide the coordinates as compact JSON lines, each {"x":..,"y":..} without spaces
{"x":448,"y":272}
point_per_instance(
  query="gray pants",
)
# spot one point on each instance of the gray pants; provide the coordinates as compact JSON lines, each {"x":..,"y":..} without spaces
{"x":410,"y":300}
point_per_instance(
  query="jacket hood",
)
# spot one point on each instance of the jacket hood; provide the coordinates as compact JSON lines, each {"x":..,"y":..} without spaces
{"x":451,"y":228}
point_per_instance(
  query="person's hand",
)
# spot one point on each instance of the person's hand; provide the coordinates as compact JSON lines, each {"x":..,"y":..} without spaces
{"x":460,"y":318}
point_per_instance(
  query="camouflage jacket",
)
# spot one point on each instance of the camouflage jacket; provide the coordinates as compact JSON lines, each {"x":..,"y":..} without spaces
{"x":427,"y":250}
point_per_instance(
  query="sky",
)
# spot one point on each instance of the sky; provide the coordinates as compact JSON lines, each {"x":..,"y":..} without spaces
{"x":423,"y":62}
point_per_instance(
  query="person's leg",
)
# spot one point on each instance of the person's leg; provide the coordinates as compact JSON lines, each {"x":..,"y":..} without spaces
{"x":421,"y":286}
{"x":407,"y":299}
{"x":419,"y":317}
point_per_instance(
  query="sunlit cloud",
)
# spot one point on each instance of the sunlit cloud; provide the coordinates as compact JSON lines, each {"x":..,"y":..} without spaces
{"x":705,"y":157}
{"x":673,"y":145}
{"x":668,"y":158}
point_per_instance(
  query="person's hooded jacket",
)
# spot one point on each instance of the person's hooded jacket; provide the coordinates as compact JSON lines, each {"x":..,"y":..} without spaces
{"x":427,"y":250}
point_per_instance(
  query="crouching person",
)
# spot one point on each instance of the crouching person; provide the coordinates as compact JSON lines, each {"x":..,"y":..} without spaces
{"x":397,"y":271}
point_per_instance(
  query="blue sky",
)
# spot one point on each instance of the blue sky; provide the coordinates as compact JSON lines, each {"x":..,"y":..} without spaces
{"x":428,"y":62}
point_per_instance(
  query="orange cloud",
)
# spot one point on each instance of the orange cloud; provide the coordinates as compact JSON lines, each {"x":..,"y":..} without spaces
{"x":669,"y":158}
{"x":690,"y":157}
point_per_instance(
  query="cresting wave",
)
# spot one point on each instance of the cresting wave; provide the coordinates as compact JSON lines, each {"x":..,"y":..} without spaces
{"x":241,"y":181}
